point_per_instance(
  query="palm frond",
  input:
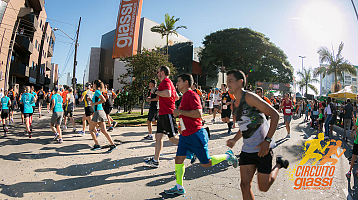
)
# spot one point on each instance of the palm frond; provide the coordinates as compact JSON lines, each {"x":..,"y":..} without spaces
{"x":312,"y":87}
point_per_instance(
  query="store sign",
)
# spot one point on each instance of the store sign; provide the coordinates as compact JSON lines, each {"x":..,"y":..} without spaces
{"x":127,"y":31}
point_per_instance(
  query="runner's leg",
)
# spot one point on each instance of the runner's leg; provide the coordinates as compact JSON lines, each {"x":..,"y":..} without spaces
{"x":158,"y":145}
{"x":247,"y":173}
{"x":102,"y":125}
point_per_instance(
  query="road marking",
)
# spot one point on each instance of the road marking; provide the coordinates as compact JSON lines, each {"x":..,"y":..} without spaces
{"x":304,"y":133}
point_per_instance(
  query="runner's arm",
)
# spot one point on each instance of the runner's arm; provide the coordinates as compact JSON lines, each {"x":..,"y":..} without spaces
{"x":53,"y":104}
{"x":164,"y":93}
{"x":154,"y":99}
{"x":231,"y":142}
{"x":101,"y":101}
{"x":9,"y":102}
{"x":189,"y":113}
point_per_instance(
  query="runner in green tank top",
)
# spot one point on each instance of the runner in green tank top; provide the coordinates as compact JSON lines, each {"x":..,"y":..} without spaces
{"x":250,"y":110}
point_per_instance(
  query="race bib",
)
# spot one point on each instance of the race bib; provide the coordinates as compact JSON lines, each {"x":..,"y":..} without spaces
{"x":182,"y":125}
{"x":224,"y":100}
{"x":288,"y":111}
{"x":224,"y":106}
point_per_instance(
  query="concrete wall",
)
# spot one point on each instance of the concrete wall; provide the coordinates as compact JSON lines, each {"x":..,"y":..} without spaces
{"x":119,"y":69}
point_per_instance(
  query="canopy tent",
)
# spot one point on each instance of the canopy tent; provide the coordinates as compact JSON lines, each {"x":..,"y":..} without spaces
{"x":346,"y":92}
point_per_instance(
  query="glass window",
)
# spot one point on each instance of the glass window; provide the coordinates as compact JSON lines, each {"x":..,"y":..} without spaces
{"x":3,"y":6}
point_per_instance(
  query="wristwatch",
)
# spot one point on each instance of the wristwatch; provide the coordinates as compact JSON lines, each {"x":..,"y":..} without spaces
{"x":268,"y":139}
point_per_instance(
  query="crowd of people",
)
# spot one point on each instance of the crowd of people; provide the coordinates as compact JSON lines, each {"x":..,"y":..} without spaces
{"x":178,"y":113}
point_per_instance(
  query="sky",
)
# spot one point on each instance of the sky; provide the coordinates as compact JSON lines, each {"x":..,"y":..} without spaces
{"x":298,"y":27}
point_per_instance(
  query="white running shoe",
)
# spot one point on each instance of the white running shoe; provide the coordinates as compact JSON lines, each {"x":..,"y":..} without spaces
{"x":74,"y":129}
{"x":64,"y":127}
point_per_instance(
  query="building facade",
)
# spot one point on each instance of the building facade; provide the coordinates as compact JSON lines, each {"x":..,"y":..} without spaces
{"x":328,"y":80}
{"x":27,"y":44}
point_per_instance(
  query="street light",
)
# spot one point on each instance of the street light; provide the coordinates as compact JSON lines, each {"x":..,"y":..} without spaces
{"x":302,"y":69}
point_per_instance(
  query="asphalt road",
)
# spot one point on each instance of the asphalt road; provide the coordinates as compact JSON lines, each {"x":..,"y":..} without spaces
{"x":39,"y":168}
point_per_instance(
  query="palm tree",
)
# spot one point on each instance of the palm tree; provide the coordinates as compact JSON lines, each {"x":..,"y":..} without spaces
{"x":306,"y":80}
{"x":337,"y":65}
{"x":168,"y":28}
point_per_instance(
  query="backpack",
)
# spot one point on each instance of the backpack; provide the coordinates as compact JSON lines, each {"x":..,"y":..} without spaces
{"x":333,"y":108}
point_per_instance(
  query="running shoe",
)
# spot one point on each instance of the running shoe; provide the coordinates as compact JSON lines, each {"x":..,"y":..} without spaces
{"x":48,"y":111}
{"x":96,"y":147}
{"x":74,"y":130}
{"x":114,"y":123}
{"x":39,"y":115}
{"x":348,"y":174}
{"x":82,"y":133}
{"x":193,"y":159}
{"x":229,"y":132}
{"x":283,"y":163}
{"x":56,"y":136}
{"x":232,"y":159}
{"x":111,"y":148}
{"x":110,"y":129}
{"x":326,"y":137}
{"x":10,"y":123}
{"x":213,"y":120}
{"x":5,"y":135}
{"x":148,"y":137}
{"x":152,"y":163}
{"x":97,"y":134}
{"x":175,"y":190}
{"x":12,"y":119}
{"x":288,"y":135}
{"x":30,"y":135}
{"x":60,"y":141}
{"x":22,"y":123}
{"x":6,"y":129}
{"x":64,"y":127}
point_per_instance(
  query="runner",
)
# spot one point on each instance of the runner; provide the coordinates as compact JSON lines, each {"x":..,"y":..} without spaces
{"x":211,"y":101}
{"x":194,"y":137}
{"x":27,"y":99}
{"x":166,"y":122}
{"x":226,"y":100}
{"x":57,"y":115}
{"x":11,"y":95}
{"x":99,"y":117}
{"x":41,"y":97}
{"x":108,"y":106}
{"x":21,"y":106}
{"x":355,"y":150}
{"x":153,"y":110}
{"x":33,"y":105}
{"x":70,"y":107}
{"x":256,"y":153}
{"x":217,"y":101}
{"x":286,"y":105}
{"x":48,"y":100}
{"x":64,"y":97}
{"x":5,"y":104}
{"x":88,"y":94}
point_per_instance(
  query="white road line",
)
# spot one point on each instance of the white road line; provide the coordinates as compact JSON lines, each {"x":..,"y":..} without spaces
{"x":304,"y":133}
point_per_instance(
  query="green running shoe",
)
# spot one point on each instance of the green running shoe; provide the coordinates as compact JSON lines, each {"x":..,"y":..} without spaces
{"x":175,"y":190}
{"x":232,"y":159}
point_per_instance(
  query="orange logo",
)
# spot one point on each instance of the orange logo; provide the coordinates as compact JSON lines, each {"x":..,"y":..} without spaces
{"x":320,"y":176}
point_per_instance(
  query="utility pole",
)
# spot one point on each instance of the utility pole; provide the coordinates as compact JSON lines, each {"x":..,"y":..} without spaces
{"x":75,"y":60}
{"x":302,"y":69}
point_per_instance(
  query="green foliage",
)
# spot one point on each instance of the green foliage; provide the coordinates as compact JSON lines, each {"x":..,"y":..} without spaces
{"x":306,"y":80}
{"x":167,"y":28}
{"x":247,"y":50}
{"x":142,"y":67}
{"x":337,"y":65}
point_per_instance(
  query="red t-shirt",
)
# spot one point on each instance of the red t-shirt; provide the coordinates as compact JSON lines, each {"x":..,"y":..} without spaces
{"x":190,"y":101}
{"x":167,"y":104}
{"x":287,"y":105}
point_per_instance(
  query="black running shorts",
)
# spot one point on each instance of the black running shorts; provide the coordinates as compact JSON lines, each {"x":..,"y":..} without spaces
{"x":27,"y":115}
{"x":41,"y":102}
{"x":355,"y":149}
{"x":4,"y":113}
{"x":89,"y":111}
{"x":153,"y":114}
{"x":263,"y":164}
{"x":107,"y":109}
{"x":225,"y":113}
{"x":166,"y":124}
{"x":69,"y":113}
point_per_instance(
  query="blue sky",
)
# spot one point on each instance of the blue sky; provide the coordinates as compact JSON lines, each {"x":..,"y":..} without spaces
{"x":298,"y":27}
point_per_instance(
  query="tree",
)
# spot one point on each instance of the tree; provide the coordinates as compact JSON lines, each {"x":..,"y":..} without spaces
{"x":168,"y":28}
{"x":142,"y":68}
{"x":306,"y":80}
{"x":337,"y":65}
{"x":247,"y":50}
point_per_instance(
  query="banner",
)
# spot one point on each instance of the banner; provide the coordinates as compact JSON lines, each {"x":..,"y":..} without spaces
{"x":273,"y":86}
{"x":127,"y":29}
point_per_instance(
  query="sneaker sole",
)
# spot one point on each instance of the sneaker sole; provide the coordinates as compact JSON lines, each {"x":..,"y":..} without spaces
{"x":95,"y":149}
{"x":152,"y":165}
{"x":173,"y":193}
